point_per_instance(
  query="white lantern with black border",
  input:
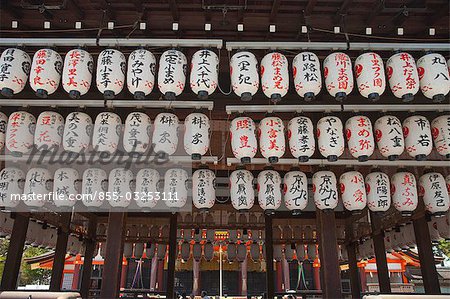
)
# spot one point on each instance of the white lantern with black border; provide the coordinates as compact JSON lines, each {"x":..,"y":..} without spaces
{"x":204,"y":73}
{"x":389,"y":137}
{"x":141,"y":73}
{"x":324,"y":186}
{"x":196,"y":135}
{"x":402,"y":76}
{"x":295,"y":191}
{"x":203,"y":189}
{"x":440,"y":129}
{"x":433,"y":188}
{"x":136,"y":134}
{"x":65,"y":187}
{"x":172,"y":73}
{"x":49,"y":131}
{"x":433,"y":76}
{"x":301,"y":138}
{"x":378,"y":191}
{"x":418,"y":139}
{"x":274,"y":76}
{"x":165,"y":133}
{"x":243,"y":138}
{"x":14,"y":70}
{"x":404,"y":192}
{"x":353,"y":191}
{"x":241,"y":190}
{"x":45,"y":72}
{"x":359,"y":133}
{"x":77,"y":73}
{"x":111,"y":67}
{"x":175,"y":188}
{"x":244,"y":75}
{"x":307,"y":77}
{"x":11,"y":184}
{"x":337,"y":70}
{"x":370,"y":77}
{"x":20,"y":132}
{"x":120,"y":185}
{"x":147,"y":194}
{"x":330,"y":134}
{"x":94,"y":183}
{"x":269,"y":190}
{"x":107,"y":131}
{"x":77,"y":132}
{"x":272,"y":142}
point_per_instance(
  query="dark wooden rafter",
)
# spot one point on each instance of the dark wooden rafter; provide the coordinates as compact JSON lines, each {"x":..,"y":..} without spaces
{"x":380,"y":254}
{"x":174,"y":10}
{"x":90,"y":245}
{"x":442,"y":11}
{"x":274,"y":11}
{"x":342,"y":11}
{"x":75,"y":8}
{"x":375,"y":11}
{"x":310,"y":7}
{"x":14,"y":12}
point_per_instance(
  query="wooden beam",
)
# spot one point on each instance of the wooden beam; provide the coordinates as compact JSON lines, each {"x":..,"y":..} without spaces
{"x":355,"y":282}
{"x":380,"y":254}
{"x":172,"y":256}
{"x":112,"y":268}
{"x":310,"y":7}
{"x":426,"y":257}
{"x":60,"y":253}
{"x":174,"y":10}
{"x":342,"y":10}
{"x":90,"y":245}
{"x":15,"y":251}
{"x":375,"y":11}
{"x":274,"y":11}
{"x":270,"y":288}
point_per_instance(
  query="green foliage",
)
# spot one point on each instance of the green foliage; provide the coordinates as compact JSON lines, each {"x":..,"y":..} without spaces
{"x":444,"y":247}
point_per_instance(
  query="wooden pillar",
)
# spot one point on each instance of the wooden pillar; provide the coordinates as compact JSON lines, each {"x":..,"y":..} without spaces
{"x":380,"y":254}
{"x":113,"y":256}
{"x":196,"y":277}
{"x":60,"y":253}
{"x":426,"y":257}
{"x":329,"y":260}
{"x":353,"y":268}
{"x":15,"y":251}
{"x":270,"y":291}
{"x":172,"y":255}
{"x":90,"y":245}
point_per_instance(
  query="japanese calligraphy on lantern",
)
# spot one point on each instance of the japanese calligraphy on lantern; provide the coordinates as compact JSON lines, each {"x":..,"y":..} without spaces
{"x":353,"y":191}
{"x":337,"y":70}
{"x":440,"y":129}
{"x":45,"y":72}
{"x":141,"y":73}
{"x":11,"y":183}
{"x":307,"y":77}
{"x":269,"y":190}
{"x":175,"y":188}
{"x":196,"y":135}
{"x":271,"y":138}
{"x":119,"y":186}
{"x":95,"y":182}
{"x":295,"y":191}
{"x":14,"y":71}
{"x":370,"y":77}
{"x":244,"y":75}
{"x":417,"y":133}
{"x":65,"y":182}
{"x":325,"y":190}
{"x":107,"y":131}
{"x":111,"y":67}
{"x":204,"y":73}
{"x":330,"y":137}
{"x":77,"y":72}
{"x":274,"y":76}
{"x":147,"y":194}
{"x":389,"y":136}
{"x":136,"y":134}
{"x":404,"y":192}
{"x":301,"y":138}
{"x":165,"y":133}
{"x":243,"y":138}
{"x":37,"y":187}
{"x":433,"y":76}
{"x":172,"y":73}
{"x":378,"y":191}
{"x":20,"y":132}
{"x":241,"y":190}
{"x":358,"y":130}
{"x":49,"y":130}
{"x":432,"y":187}
{"x":402,"y":76}
{"x":77,"y":132}
{"x":203,"y":189}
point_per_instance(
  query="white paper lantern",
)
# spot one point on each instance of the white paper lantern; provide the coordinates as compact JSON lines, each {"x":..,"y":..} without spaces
{"x":433,"y":76}
{"x":269,"y":190}
{"x":141,"y":73}
{"x":107,"y":130}
{"x":370,"y":77}
{"x":337,"y":70}
{"x":307,"y":77}
{"x":440,"y":129}
{"x":147,"y":194}
{"x":271,"y":138}
{"x":136,"y":134}
{"x":353,"y":191}
{"x":389,"y":137}
{"x":77,"y":132}
{"x":359,"y":133}
{"x":378,"y":191}
{"x":37,"y":187}
{"x":119,"y":186}
{"x":45,"y":72}
{"x":111,"y":65}
{"x":432,"y":187}
{"x":274,"y":76}
{"x":244,"y":75}
{"x":204,"y":73}
{"x":165,"y":133}
{"x":295,"y":191}
{"x":325,"y":190}
{"x":65,"y":185}
{"x":402,"y":76}
{"x":77,"y":72}
{"x":11,"y":185}
{"x":203,"y":189}
{"x":49,"y":130}
{"x":243,"y":138}
{"x":14,"y":71}
{"x":3,"y":126}
{"x":241,"y":190}
{"x":404,"y":192}
{"x":175,"y":188}
{"x":20,"y":132}
{"x":94,"y":183}
{"x":172,"y":73}
{"x":196,"y":135}
{"x":418,"y":139}
{"x":330,"y":134}
{"x":301,"y":138}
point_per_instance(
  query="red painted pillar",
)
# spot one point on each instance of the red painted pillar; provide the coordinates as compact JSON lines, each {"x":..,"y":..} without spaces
{"x":362,"y":274}
{"x":316,"y":271}
{"x":160,"y":283}
{"x":76,"y":277}
{"x":123,"y":276}
{"x":279,"y":279}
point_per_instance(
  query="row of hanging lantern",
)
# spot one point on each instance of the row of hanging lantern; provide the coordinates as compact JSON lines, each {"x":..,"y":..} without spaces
{"x":145,"y":250}
{"x":74,"y":135}
{"x":416,"y":134}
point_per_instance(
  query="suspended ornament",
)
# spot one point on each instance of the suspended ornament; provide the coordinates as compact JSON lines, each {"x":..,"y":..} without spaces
{"x":361,"y":144}
{"x":107,"y":131}
{"x":111,"y":65}
{"x":389,"y":137}
{"x":417,"y":133}
{"x":119,"y":186}
{"x":3,"y":127}
{"x":311,"y":252}
{"x":14,"y":71}
{"x":175,"y":188}
{"x":370,"y":77}
{"x":65,"y":187}
{"x":241,"y":252}
{"x":271,"y":138}
{"x":433,"y":76}
{"x":289,"y":252}
{"x":141,"y":73}
{"x":45,"y":72}
{"x":20,"y":132}
{"x":353,"y":191}
{"x":77,"y":132}
{"x":440,"y":129}
{"x":255,"y":252}
{"x":301,"y":138}
{"x":404,"y":192}
{"x":196,"y":135}
{"x":325,"y":190}
{"x":241,"y":190}
{"x":378,"y":191}
{"x":295,"y":191}
{"x":38,"y":183}
{"x":330,"y":136}
{"x":231,"y":252}
{"x":94,"y":184}
{"x":274,"y":76}
{"x":127,"y":250}
{"x":208,"y":251}
{"x":243,"y":138}
{"x":337,"y":70}
{"x":204,"y":73}
{"x":203,"y":189}
{"x":136,"y":134}
{"x":307,"y":77}
{"x":165,"y":133}
{"x":49,"y":131}
{"x":402,"y":76}
{"x":277,"y":252}
{"x":300,"y":252}
{"x":77,"y":72}
{"x":172,"y":73}
{"x":146,"y":195}
{"x":185,"y":251}
{"x":269,"y":190}
{"x":244,"y":75}
{"x":138,"y":250}
{"x":11,"y":185}
{"x":433,"y":188}
{"x":197,"y":251}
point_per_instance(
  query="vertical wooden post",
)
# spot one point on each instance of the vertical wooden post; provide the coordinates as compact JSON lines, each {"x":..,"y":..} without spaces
{"x":15,"y":251}
{"x":60,"y":253}
{"x":329,"y":260}
{"x":380,"y":254}
{"x":426,"y":257}
{"x":90,"y":244}
{"x":270,"y":290}
{"x":172,"y":255}
{"x":113,"y":256}
{"x":353,"y":268}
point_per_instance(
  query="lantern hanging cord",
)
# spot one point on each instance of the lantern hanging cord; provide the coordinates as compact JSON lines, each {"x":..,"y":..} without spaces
{"x":226,"y":141}
{"x":218,"y":83}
